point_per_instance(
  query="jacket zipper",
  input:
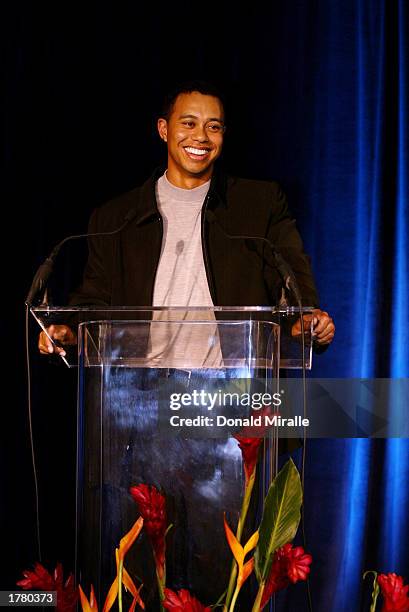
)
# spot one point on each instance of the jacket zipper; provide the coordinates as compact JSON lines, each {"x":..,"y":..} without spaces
{"x":159,"y":218}
{"x":208,"y":271}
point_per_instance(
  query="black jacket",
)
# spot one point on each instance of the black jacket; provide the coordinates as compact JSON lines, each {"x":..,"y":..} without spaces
{"x":121,"y":269}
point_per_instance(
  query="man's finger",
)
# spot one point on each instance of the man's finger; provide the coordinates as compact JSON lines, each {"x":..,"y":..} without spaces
{"x":325,"y":340}
{"x":328,"y":329}
{"x":59,"y":351}
{"x":321,"y":321}
{"x":46,"y":346}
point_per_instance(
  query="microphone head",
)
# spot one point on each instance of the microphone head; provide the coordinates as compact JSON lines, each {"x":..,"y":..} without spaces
{"x":179,"y":247}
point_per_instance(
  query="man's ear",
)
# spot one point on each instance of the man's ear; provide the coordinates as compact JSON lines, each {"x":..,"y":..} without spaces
{"x":163,"y":129}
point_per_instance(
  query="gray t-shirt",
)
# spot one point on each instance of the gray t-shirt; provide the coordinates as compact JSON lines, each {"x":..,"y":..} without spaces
{"x":181,"y":275}
{"x":176,"y":340}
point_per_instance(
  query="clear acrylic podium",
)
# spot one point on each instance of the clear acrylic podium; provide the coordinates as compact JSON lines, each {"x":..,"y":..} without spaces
{"x":132,"y":363}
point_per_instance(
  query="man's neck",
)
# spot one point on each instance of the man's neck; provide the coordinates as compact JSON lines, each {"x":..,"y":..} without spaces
{"x":187,"y":182}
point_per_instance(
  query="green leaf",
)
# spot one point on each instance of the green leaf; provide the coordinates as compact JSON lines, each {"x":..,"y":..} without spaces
{"x":281,"y":517}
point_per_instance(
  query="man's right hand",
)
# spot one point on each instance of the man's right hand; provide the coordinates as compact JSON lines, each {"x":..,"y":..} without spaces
{"x":61,"y":334}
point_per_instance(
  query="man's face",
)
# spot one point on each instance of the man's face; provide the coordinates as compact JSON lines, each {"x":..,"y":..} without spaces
{"x":194,"y":136}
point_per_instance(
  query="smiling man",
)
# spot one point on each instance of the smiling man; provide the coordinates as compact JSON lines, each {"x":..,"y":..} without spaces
{"x":176,"y":252}
{"x":193,"y":130}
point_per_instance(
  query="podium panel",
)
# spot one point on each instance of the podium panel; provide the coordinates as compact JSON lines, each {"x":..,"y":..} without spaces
{"x":127,"y":370}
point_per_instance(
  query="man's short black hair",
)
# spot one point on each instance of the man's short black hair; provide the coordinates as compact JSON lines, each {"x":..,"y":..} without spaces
{"x":204,"y":87}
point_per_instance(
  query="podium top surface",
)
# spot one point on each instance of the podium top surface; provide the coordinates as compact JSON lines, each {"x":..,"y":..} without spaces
{"x":141,"y":322}
{"x":42,"y":309}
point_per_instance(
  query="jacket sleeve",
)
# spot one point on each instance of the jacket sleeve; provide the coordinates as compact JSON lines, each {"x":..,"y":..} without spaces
{"x":283,"y":233}
{"x":95,"y":289}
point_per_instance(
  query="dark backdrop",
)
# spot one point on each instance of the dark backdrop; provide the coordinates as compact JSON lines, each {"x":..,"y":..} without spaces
{"x":317,"y":99}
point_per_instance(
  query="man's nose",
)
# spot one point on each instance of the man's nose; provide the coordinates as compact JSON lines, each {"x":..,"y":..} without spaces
{"x":200,"y":133}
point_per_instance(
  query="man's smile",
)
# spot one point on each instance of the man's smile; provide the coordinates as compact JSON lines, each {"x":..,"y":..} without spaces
{"x":196,"y":153}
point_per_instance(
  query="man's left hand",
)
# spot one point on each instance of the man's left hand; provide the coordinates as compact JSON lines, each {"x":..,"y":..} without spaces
{"x":323,"y":327}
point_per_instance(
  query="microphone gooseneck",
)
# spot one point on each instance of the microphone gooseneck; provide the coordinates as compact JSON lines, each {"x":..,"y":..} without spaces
{"x":283,"y":267}
{"x":44,"y":272}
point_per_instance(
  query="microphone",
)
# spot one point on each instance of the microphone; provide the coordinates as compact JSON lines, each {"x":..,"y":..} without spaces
{"x":283,"y":267}
{"x":180,"y":247}
{"x":44,"y":272}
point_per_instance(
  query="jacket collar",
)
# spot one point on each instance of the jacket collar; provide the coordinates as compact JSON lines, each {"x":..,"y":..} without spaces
{"x":218,"y":189}
{"x":148,"y":205}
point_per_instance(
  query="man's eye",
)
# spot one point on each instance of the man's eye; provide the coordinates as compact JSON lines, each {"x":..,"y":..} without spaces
{"x":215,"y":127}
{"x":188,"y":124}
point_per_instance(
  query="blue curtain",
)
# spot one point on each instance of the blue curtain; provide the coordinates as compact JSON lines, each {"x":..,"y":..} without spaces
{"x":353,"y":209}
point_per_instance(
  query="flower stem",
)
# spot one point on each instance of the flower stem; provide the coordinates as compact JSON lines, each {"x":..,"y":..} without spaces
{"x":233,"y":601}
{"x":161,"y":580}
{"x":242,"y":519}
{"x":121,"y":565}
{"x":375,"y":590}
{"x":257,"y":602}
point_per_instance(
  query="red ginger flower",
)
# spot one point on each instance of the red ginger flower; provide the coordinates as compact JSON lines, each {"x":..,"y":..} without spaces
{"x":249,"y":449}
{"x":183,"y":601}
{"x":297,"y":562}
{"x":394,"y":592}
{"x":152,"y":506}
{"x":289,"y":565}
{"x":41,"y":580}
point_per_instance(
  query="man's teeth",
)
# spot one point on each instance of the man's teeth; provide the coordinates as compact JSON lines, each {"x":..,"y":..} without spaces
{"x":196,"y":151}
